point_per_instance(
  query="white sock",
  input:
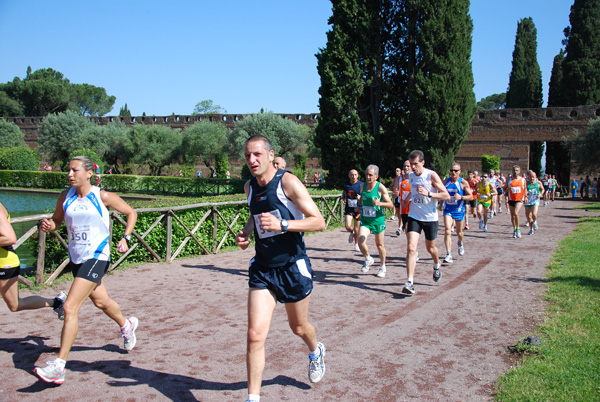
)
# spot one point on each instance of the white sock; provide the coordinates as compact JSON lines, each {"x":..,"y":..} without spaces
{"x":314,"y":354}
{"x":126,"y":327}
{"x":254,"y":397}
{"x":60,"y":363}
{"x":410,"y":280}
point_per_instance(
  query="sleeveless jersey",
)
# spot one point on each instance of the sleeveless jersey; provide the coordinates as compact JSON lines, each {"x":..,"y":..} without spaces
{"x":484,"y":193}
{"x":422,"y":207}
{"x":516,"y":189}
{"x":8,"y":257}
{"x":473,"y":183}
{"x":533,"y":194}
{"x":352,"y":191}
{"x":404,"y":192}
{"x":454,"y":205}
{"x":87,"y":223}
{"x":371,"y":213}
{"x":275,"y":248}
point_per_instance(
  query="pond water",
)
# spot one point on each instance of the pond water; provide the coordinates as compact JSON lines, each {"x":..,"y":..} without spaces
{"x":21,"y":203}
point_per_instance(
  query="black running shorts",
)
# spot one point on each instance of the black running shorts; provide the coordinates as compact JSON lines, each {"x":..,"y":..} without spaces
{"x":291,"y":283}
{"x":430,"y":228}
{"x":93,"y":270}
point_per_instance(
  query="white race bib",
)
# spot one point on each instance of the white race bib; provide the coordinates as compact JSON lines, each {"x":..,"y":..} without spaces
{"x":352,"y":202}
{"x":262,"y":233}
{"x":368,"y":212}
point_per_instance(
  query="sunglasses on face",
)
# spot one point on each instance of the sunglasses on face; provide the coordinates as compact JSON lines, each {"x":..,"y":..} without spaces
{"x":455,"y":170}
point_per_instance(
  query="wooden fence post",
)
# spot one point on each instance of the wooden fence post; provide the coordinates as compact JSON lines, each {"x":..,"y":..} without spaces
{"x":169,"y":235}
{"x":214,"y":234}
{"x":39,"y":273}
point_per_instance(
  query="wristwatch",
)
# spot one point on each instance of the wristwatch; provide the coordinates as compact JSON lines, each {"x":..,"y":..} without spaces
{"x":127,"y":238}
{"x":429,"y":194}
{"x":284,"y":225}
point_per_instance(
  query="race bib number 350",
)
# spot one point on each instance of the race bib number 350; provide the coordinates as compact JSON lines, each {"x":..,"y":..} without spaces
{"x":262,"y":233}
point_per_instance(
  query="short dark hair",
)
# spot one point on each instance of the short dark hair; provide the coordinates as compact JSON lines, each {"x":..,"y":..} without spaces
{"x":416,"y":154}
{"x":265,"y":140}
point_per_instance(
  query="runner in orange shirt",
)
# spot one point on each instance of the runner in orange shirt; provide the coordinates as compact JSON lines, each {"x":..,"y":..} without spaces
{"x":516,"y":188}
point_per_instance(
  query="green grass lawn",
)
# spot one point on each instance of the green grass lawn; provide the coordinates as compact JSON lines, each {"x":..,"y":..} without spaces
{"x":566,"y":366}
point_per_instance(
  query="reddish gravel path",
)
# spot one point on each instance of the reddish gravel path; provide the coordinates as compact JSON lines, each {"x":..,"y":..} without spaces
{"x":446,"y":343}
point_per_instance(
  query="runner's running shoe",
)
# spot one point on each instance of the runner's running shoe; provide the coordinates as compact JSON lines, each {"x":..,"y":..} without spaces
{"x":382,"y":271}
{"x":518,"y":233}
{"x":461,"y":249}
{"x":368,"y":262}
{"x":535,"y":225}
{"x":437,"y":273}
{"x":129,"y":338}
{"x":448,"y":259}
{"x":351,"y":238}
{"x":530,"y":232}
{"x":485,"y":228}
{"x":408,"y":289}
{"x":398,"y":232}
{"x":60,"y":312}
{"x":316,"y":366}
{"x":481,"y":224}
{"x":51,"y":373}
{"x":467,"y":227}
{"x":356,"y":248}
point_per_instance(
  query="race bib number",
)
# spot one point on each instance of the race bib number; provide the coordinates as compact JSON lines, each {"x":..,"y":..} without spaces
{"x":515,"y":190}
{"x":419,"y":200}
{"x":352,"y":202}
{"x":265,"y":234}
{"x":483,"y":197}
{"x":80,"y":235}
{"x":368,"y":212}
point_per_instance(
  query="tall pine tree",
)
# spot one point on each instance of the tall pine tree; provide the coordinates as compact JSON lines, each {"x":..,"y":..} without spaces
{"x":395,"y":76}
{"x":525,"y":83}
{"x":581,"y":68}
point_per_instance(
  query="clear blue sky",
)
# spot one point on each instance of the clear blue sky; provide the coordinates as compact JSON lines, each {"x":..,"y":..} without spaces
{"x":164,"y":57}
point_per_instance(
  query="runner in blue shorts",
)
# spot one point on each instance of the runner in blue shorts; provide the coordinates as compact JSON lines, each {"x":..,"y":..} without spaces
{"x":454,"y":210}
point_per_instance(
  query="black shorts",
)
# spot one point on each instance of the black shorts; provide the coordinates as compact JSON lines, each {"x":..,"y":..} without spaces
{"x":291,"y":283}
{"x":404,"y":219}
{"x":513,"y":203}
{"x":8,"y":273}
{"x":473,"y":202}
{"x":500,"y":190}
{"x":353,"y":213}
{"x":397,"y":203}
{"x":93,"y":270}
{"x":430,"y":228}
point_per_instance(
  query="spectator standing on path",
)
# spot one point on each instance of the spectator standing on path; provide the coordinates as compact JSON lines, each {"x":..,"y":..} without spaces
{"x":574,"y":187}
{"x":594,"y":188}
{"x":279,"y":163}
{"x":281,"y":210}
{"x":374,"y":198}
{"x":582,"y":187}
{"x":426,"y":189}
{"x":10,"y":269}
{"x":535,"y":190}
{"x":350,"y":195}
{"x":454,"y":210}
{"x":516,"y":187}
{"x":84,"y":209}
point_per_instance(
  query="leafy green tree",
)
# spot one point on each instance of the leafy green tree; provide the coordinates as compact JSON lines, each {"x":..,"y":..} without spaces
{"x":492,"y":102}
{"x":525,"y":83}
{"x":90,"y":100}
{"x":58,"y":133}
{"x":11,"y":135}
{"x":207,"y":107}
{"x":154,"y":145}
{"x":287,"y":136}
{"x":581,"y":67}
{"x":203,"y":140}
{"x":19,"y":158}
{"x":125,"y":112}
{"x":585,"y":147}
{"x":8,"y":106}
{"x":108,"y":141}
{"x":43,"y":91}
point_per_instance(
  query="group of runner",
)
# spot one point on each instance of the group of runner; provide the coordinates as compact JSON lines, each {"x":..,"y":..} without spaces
{"x":416,"y":191}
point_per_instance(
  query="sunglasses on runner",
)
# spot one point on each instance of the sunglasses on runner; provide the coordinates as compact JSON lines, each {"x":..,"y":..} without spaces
{"x":455,"y":170}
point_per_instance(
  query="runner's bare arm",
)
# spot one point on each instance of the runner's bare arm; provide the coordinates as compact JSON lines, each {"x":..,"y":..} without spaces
{"x":113,"y":201}
{"x":243,"y":237}
{"x":50,"y":225}
{"x":467,"y":192}
{"x":385,"y":201}
{"x":437,"y":183}
{"x":7,"y":233}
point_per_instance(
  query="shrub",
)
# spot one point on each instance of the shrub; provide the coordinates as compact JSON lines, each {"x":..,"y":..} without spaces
{"x":489,"y":162}
{"x":19,"y":158}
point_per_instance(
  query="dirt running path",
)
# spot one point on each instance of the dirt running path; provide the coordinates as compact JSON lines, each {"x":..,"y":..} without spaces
{"x":446,"y":343}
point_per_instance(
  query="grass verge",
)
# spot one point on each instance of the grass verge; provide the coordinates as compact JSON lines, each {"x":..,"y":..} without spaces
{"x":566,"y":366}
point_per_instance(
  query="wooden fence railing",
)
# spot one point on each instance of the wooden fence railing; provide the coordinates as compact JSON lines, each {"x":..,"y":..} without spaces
{"x":330,"y":205}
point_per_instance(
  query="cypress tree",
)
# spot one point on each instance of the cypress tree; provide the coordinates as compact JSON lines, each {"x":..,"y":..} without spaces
{"x":581,"y":67}
{"x":395,"y":76}
{"x":525,"y":83}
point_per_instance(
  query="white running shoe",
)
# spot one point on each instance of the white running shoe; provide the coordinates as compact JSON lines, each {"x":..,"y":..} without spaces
{"x":356,"y":248}
{"x":527,"y":224}
{"x":398,"y":232}
{"x":51,"y":373}
{"x":316,"y":366}
{"x":368,"y":262}
{"x":461,"y":249}
{"x":535,"y":225}
{"x":129,"y":338}
{"x":381,"y":273}
{"x":518,"y":233}
{"x":481,"y":224}
{"x":408,"y":289}
{"x":448,"y":259}
{"x":351,"y":238}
